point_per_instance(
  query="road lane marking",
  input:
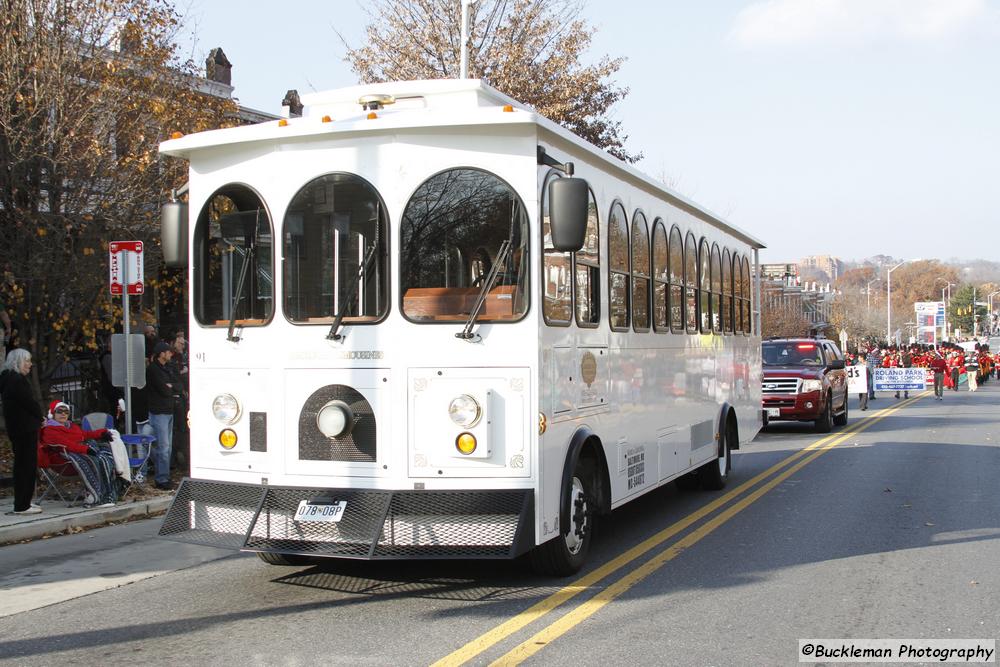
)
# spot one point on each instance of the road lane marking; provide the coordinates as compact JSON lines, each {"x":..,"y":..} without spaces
{"x":543,"y":607}
{"x":589,"y":607}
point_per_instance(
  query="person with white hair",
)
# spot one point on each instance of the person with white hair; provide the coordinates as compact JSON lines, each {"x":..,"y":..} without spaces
{"x":24,"y":418}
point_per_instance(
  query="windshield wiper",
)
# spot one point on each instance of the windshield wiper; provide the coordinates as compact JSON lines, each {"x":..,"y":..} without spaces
{"x":501,"y":260}
{"x":247,"y":259}
{"x":353,"y":293}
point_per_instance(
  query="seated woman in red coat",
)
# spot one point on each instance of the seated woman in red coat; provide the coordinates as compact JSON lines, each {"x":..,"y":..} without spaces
{"x":61,"y":439}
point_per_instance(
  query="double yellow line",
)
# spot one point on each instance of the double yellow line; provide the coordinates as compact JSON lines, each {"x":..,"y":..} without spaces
{"x":542,"y":638}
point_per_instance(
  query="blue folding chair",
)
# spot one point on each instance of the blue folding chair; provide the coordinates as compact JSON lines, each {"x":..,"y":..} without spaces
{"x":139,"y":447}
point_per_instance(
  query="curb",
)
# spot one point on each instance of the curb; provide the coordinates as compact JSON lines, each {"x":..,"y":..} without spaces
{"x":86,"y":519}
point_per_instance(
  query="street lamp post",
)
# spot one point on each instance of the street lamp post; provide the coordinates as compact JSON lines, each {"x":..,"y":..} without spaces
{"x":868,"y":292}
{"x":989,"y":299}
{"x":888,"y":302}
{"x":946,"y":304}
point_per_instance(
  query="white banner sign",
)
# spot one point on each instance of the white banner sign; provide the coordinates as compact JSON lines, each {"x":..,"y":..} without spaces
{"x":899,"y":379}
{"x":857,"y":379}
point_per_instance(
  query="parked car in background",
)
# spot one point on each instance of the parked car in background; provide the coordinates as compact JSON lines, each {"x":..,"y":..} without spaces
{"x":804,"y":380}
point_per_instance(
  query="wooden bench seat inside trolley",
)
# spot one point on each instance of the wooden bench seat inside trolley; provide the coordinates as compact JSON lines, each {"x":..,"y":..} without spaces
{"x":455,"y":303}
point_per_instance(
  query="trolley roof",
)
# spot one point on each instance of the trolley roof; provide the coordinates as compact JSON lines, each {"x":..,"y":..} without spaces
{"x":424,"y":104}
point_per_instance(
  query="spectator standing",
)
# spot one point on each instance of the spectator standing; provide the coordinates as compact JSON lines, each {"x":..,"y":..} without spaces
{"x":150,"y":338}
{"x":24,"y":419}
{"x":179,"y":372}
{"x":160,"y":398}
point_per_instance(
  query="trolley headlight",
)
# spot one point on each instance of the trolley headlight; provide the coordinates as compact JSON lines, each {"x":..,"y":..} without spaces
{"x":226,"y":408}
{"x":465,"y":411}
{"x":811,"y":385}
{"x":335,"y":419}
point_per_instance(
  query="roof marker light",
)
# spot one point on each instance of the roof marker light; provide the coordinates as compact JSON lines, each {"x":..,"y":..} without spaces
{"x":806,"y":346}
{"x":176,"y":135}
{"x":372,"y":115}
{"x":326,"y":119}
{"x":508,"y":108}
{"x":282,"y":123}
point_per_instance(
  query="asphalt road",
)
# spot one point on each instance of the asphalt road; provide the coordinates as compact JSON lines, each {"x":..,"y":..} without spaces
{"x":887,"y":528}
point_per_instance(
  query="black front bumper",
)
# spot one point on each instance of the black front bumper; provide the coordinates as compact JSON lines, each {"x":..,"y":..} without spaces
{"x":376,"y":525}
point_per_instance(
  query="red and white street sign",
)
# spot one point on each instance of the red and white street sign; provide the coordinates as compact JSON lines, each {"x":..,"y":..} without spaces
{"x":120,"y":254}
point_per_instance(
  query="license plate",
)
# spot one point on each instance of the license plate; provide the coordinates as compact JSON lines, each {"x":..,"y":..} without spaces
{"x":320,"y":512}
{"x":774,"y":412}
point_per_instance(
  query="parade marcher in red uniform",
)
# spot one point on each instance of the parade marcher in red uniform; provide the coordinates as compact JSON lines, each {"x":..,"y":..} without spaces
{"x":939,"y":366}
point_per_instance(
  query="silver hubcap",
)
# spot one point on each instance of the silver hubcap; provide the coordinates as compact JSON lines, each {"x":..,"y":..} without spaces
{"x":578,"y":518}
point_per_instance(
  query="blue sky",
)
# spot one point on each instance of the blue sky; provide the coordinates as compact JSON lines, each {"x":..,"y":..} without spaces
{"x":844,"y":127}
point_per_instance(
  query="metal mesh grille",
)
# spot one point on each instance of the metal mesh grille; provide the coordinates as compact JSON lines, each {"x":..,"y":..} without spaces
{"x":258,"y":431}
{"x":216,"y":514}
{"x":451,"y":523}
{"x":352,"y":536}
{"x":375,"y":524}
{"x":356,"y":446}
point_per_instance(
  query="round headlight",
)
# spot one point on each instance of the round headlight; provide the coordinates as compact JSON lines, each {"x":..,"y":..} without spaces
{"x":465,"y":411}
{"x":226,"y":408}
{"x":335,"y":419}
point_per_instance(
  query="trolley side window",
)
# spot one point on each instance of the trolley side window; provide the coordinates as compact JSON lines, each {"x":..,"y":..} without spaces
{"x":691,"y":281}
{"x":716,"y":290}
{"x":588,"y":272}
{"x":456,"y":227}
{"x":640,"y":272}
{"x":557,"y":296}
{"x":619,"y":269}
{"x":661,"y":278}
{"x":233,"y":260}
{"x":676,"y":303}
{"x":335,"y":252}
{"x":705,"y":286}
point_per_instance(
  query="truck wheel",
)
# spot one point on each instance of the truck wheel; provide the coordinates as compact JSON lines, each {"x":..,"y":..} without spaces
{"x":841,"y":419}
{"x":715,"y":474}
{"x":825,"y":422}
{"x":566,"y":554}
{"x":283,"y":559}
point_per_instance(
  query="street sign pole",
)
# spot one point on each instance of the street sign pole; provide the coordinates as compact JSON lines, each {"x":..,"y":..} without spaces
{"x":128,"y":349}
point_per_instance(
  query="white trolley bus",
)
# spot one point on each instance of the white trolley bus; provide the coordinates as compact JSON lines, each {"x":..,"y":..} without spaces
{"x":427,"y":322}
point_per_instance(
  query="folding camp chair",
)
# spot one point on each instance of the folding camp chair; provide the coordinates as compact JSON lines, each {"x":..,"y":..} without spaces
{"x":59,"y":472}
{"x":97,"y":420}
{"x":139,"y":447}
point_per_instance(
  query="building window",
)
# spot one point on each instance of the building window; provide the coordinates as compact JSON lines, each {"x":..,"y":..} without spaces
{"x":640,"y":272}
{"x":619,"y":270}
{"x":588,"y":272}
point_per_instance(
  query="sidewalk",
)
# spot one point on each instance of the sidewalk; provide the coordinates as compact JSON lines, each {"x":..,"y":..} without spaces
{"x":57,"y":518}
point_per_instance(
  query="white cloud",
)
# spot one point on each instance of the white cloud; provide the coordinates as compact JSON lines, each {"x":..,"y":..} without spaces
{"x":807,"y":22}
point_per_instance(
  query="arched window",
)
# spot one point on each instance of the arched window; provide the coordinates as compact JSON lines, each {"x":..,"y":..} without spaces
{"x":661,"y":278}
{"x":737,"y":293}
{"x":705,"y":286}
{"x":474,"y":218}
{"x":676,"y":301}
{"x":727,"y":292}
{"x":748,"y":326}
{"x":233,"y":259}
{"x":691,"y":281}
{"x":335,"y":248}
{"x":619,"y":270}
{"x":588,"y":272}
{"x":557,"y":295}
{"x":716,"y":289}
{"x":640,"y":272}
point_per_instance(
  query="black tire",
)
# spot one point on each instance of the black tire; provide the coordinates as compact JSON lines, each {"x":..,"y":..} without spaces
{"x":714,"y":474}
{"x":825,"y":422}
{"x":283,"y":559}
{"x":565,"y":555}
{"x":841,"y":419}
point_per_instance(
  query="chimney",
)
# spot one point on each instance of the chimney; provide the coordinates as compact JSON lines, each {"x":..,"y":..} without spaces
{"x":218,"y":68}
{"x":291,"y":104}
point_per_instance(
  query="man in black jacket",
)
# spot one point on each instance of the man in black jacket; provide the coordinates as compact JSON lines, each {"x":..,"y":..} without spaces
{"x":160,"y":397}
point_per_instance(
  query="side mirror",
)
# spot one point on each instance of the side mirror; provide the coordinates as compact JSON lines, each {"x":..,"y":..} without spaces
{"x":174,"y":234}
{"x":837,"y":364}
{"x":568,"y":201}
